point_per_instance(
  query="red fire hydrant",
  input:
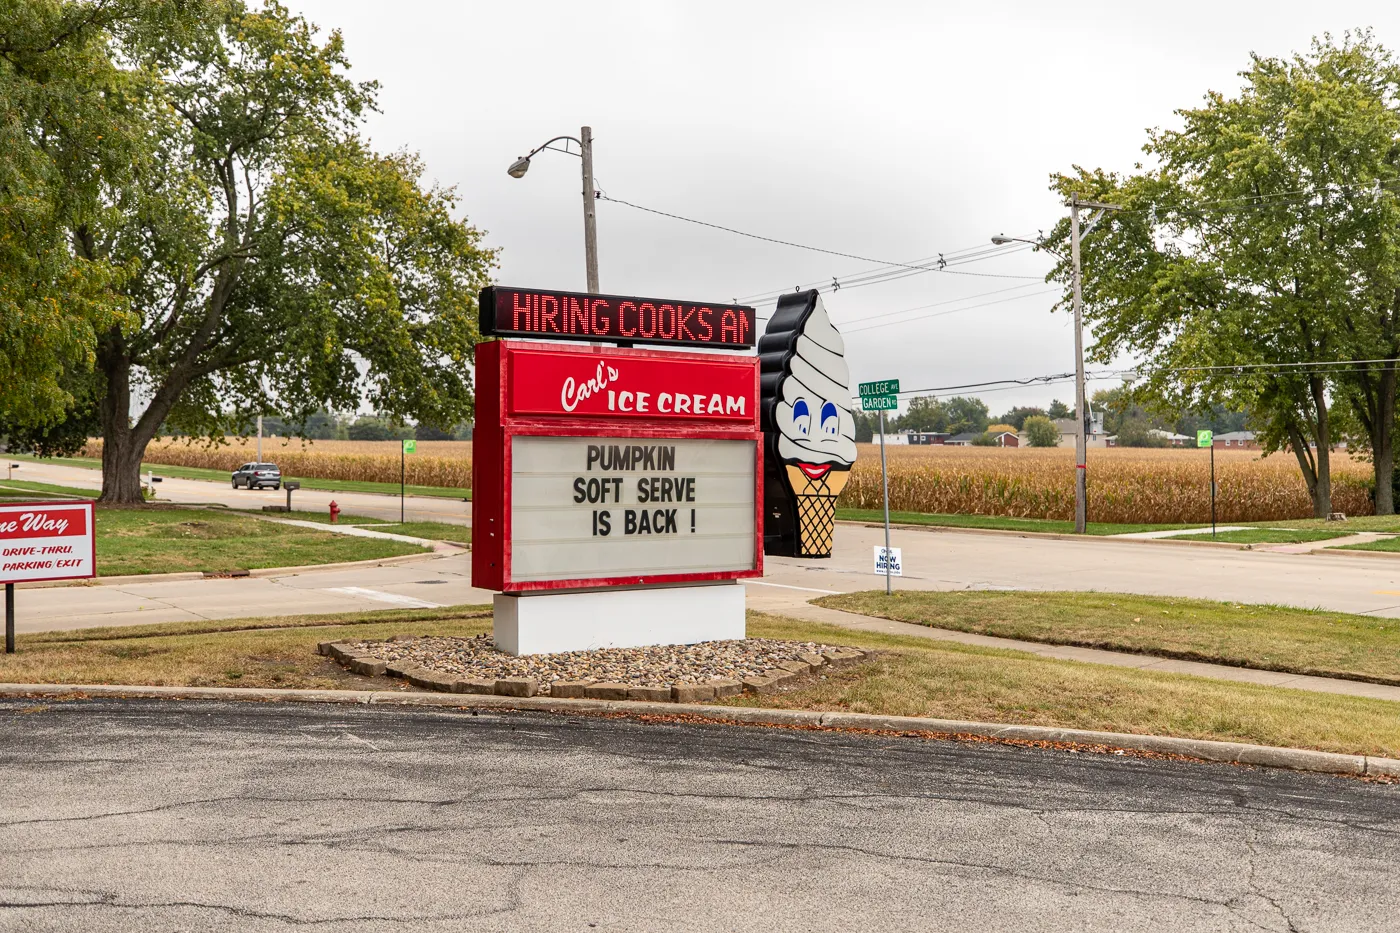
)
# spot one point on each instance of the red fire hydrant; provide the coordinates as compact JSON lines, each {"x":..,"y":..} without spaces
{"x":335,"y":512}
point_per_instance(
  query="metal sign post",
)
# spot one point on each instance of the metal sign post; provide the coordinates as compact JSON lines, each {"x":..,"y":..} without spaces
{"x":406,"y":447}
{"x":9,"y":618}
{"x":1207,"y":439}
{"x":880,"y":396}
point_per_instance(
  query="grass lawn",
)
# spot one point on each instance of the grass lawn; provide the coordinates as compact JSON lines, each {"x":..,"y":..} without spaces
{"x":1386,"y":544}
{"x":1274,"y":638}
{"x":997,"y":522}
{"x":319,"y":517}
{"x":24,"y":489}
{"x":909,"y":676}
{"x":222,"y":476}
{"x":1266,"y":536}
{"x":1352,"y":525}
{"x":167,"y":540}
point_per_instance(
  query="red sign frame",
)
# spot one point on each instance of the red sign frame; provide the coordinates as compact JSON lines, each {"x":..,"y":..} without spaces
{"x":88,"y":534}
{"x":501,"y":415}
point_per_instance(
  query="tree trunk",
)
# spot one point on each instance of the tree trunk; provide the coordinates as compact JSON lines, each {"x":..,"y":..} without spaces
{"x":1383,"y":443}
{"x":121,"y":459}
{"x":1322,"y":500}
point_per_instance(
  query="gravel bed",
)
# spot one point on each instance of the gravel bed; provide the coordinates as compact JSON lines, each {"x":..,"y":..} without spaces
{"x":654,"y":666}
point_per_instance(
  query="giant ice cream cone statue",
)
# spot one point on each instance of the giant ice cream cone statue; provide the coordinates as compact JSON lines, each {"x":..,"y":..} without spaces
{"x":810,"y":441}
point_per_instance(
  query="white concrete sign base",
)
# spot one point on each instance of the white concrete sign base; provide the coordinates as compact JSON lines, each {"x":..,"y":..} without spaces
{"x":545,"y":623}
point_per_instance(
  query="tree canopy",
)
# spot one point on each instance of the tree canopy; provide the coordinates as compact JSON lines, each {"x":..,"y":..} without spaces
{"x":1260,"y":251}
{"x":248,"y":251}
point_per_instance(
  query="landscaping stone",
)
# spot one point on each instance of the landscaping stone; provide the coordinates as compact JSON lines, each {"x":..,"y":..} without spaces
{"x":517,"y":687}
{"x":658,"y":673}
{"x":691,"y":693}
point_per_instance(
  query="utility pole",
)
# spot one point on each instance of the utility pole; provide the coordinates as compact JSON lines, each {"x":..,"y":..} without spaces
{"x":1081,"y":410}
{"x":590,"y":218}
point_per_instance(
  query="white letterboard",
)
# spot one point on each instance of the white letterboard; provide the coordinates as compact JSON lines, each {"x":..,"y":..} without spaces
{"x":604,"y":507}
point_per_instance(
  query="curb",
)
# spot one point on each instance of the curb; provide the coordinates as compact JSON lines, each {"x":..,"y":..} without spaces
{"x":1238,"y":753}
{"x":261,"y":572}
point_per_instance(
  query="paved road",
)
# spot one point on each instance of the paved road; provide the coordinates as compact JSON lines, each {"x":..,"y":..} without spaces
{"x":416,"y":508}
{"x":134,"y":815}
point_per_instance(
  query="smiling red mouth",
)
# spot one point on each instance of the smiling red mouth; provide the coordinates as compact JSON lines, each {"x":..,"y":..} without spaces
{"x":814,"y":471}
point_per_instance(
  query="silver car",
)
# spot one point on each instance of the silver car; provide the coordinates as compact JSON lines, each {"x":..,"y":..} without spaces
{"x":257,"y":476}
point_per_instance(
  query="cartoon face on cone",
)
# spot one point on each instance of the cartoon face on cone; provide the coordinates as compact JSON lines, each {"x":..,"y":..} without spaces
{"x":810,"y":431}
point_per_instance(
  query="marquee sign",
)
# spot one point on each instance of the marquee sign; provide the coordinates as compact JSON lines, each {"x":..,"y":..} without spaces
{"x":46,"y":541}
{"x":539,"y":313}
{"x":598,"y":467}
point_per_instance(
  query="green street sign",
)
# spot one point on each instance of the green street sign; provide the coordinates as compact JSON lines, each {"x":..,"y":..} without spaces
{"x":410,"y":447}
{"x":1205,"y":438}
{"x":878,"y":403}
{"x":888,"y":387}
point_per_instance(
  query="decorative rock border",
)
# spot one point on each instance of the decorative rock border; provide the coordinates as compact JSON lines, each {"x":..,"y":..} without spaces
{"x":769,"y":681}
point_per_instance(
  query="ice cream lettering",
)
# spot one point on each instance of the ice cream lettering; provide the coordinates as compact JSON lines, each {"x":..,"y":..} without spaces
{"x":810,"y":433}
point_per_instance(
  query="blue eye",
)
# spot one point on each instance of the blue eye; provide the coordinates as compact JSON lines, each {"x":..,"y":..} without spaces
{"x":831,"y":421}
{"x":801,"y":416}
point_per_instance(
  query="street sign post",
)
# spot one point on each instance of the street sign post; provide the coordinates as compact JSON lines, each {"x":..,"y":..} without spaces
{"x":409,"y":446}
{"x":881,"y":396}
{"x":1207,"y":439}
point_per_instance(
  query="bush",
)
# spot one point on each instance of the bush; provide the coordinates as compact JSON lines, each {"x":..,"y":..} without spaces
{"x":1041,"y":432}
{"x":985,"y":439}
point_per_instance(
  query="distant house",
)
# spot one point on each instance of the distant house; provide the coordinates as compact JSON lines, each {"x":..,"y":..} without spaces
{"x":1172,"y":439}
{"x":965,"y":439}
{"x":927,"y":437}
{"x":1238,"y":440}
{"x":1068,"y":427}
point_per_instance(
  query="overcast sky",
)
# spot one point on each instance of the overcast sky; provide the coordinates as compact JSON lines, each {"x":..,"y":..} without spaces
{"x":894,"y":131}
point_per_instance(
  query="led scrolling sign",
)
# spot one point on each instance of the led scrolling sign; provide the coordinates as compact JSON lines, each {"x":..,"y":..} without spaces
{"x":523,"y":312}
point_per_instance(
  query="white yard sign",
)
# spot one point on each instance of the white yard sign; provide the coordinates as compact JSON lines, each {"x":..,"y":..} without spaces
{"x":895,"y":561}
{"x":46,"y":541}
{"x":596,"y":507}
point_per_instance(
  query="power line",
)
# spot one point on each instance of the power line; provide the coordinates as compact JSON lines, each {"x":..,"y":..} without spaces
{"x":924,"y":317}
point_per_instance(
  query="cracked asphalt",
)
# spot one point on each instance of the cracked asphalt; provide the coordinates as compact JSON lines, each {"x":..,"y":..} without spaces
{"x":161,"y":816}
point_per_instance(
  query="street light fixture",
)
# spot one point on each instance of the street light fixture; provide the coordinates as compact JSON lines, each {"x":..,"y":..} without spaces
{"x":1081,"y":441}
{"x":520,"y":166}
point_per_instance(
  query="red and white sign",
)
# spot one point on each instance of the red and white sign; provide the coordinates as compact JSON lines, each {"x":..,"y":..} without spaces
{"x":46,"y":541}
{"x":654,"y":387}
{"x":599,"y":466}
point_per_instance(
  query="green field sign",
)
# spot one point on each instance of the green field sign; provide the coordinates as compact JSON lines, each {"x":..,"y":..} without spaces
{"x":878,"y":403}
{"x":1205,"y":438}
{"x":410,"y":447}
{"x":888,"y":387}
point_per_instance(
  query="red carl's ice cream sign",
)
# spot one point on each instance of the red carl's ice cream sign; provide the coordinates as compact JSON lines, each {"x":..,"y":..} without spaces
{"x":601,"y":465}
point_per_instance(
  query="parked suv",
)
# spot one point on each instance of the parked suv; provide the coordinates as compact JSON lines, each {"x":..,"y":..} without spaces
{"x":257,"y":475}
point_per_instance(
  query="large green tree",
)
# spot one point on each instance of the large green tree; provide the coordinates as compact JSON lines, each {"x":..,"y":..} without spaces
{"x":272,"y":259}
{"x":1261,"y":249}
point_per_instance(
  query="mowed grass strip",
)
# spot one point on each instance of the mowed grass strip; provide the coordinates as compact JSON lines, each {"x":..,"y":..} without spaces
{"x":1265,"y":536}
{"x":1273,"y":638}
{"x":26,"y":489}
{"x":171,"y":540}
{"x":906,"y":677}
{"x":1385,"y":544}
{"x":275,"y":652}
{"x":915,"y":677}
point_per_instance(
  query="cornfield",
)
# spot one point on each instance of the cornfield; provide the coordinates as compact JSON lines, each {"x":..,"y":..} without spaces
{"x":1125,"y":485}
{"x":436,"y":463}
